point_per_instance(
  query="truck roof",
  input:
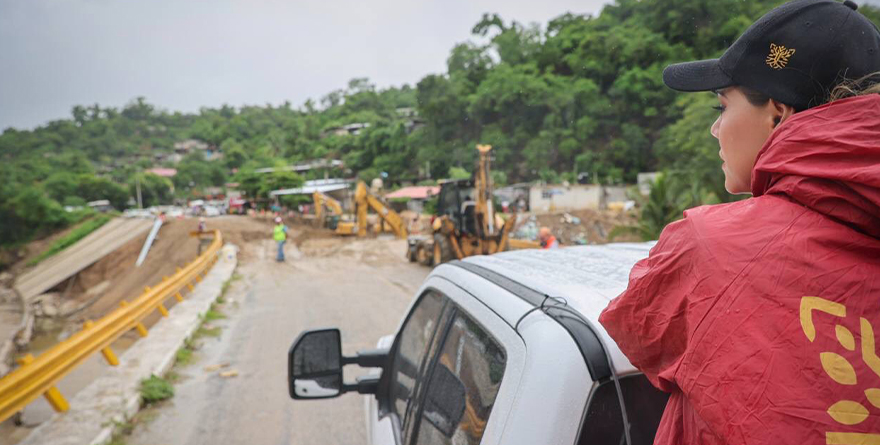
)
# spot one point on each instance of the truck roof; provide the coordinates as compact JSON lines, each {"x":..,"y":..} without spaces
{"x":586,"y":277}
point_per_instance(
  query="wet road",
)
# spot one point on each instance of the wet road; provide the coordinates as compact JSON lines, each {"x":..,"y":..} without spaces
{"x":360,"y":286}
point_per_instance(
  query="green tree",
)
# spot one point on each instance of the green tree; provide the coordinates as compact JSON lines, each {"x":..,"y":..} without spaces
{"x":155,"y":190}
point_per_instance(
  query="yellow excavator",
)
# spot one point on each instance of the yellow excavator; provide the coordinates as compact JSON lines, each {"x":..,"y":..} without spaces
{"x":465,"y":222}
{"x":328,"y":213}
{"x":364,"y":201}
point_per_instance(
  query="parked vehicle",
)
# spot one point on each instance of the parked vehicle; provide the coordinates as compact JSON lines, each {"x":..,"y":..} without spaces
{"x":211,"y":211}
{"x":501,"y":349}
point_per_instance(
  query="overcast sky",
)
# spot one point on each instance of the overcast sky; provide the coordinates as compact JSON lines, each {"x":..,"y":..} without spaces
{"x":182,"y":55}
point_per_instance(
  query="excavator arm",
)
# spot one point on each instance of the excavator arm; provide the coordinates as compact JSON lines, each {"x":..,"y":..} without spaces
{"x":365,"y":200}
{"x":322,"y":200}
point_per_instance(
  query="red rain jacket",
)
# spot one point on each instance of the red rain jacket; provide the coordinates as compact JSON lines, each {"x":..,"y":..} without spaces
{"x":761,"y":317}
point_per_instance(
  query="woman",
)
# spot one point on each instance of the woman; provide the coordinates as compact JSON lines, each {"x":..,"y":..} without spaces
{"x":760,"y":316}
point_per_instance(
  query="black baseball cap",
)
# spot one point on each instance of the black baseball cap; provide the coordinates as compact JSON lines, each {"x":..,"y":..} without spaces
{"x":795,"y":54}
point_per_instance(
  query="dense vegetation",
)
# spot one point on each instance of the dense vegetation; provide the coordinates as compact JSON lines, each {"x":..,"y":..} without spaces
{"x":582,"y":94}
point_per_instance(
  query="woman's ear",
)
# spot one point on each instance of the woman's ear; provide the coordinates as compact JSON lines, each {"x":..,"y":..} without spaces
{"x":780,"y":111}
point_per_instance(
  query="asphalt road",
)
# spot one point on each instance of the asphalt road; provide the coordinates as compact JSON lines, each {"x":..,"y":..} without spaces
{"x":360,"y":286}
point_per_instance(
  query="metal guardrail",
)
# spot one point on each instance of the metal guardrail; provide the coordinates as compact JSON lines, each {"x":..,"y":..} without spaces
{"x":38,"y":376}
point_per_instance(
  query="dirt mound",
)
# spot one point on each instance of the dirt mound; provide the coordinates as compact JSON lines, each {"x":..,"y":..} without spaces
{"x":122,"y":279}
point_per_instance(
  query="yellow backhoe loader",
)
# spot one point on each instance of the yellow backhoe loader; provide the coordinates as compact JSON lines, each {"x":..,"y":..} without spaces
{"x":328,"y":213}
{"x":465,"y":222}
{"x":364,"y":201}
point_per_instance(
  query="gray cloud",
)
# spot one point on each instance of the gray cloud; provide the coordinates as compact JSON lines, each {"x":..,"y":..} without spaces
{"x":182,"y":55}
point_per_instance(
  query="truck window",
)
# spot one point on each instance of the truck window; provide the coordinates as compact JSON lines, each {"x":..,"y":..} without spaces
{"x":476,"y":362}
{"x":603,"y":423}
{"x":413,"y":344}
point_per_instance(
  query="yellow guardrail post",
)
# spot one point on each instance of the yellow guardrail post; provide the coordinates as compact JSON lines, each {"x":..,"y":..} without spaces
{"x":53,"y":395}
{"x":177,"y":295}
{"x":38,"y":376}
{"x":108,"y":354}
{"x":141,"y":329}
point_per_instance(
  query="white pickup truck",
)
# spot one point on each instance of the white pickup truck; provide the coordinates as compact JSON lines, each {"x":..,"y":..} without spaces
{"x":502,"y":349}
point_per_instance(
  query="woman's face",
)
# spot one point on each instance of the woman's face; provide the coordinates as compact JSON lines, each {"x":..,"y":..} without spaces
{"x":741,"y":130}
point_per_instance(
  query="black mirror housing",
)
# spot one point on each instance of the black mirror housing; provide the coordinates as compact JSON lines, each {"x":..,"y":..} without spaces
{"x":315,"y":362}
{"x":314,"y":365}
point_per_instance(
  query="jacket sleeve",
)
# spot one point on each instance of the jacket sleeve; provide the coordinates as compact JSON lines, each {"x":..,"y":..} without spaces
{"x":652,"y":320}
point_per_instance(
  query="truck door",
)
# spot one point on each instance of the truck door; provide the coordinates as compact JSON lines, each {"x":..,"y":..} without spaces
{"x":447,"y":369}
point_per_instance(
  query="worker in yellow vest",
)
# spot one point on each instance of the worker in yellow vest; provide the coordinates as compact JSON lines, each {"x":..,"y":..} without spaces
{"x":280,"y":236}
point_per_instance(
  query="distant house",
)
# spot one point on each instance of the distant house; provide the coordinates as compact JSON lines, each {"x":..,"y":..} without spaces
{"x":170,"y":158}
{"x":415,"y":196}
{"x":163,"y":172}
{"x":190,"y":145}
{"x":101,"y":205}
{"x":345,"y":130}
{"x":645,"y":181}
{"x":413,"y":122}
{"x":305,"y":166}
{"x":406,"y":112}
{"x":567,"y":197}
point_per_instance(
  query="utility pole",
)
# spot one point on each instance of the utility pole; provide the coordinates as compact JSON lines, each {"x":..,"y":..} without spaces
{"x":137,"y":182}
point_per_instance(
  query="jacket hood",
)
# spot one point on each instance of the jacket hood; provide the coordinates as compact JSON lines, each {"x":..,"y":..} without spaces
{"x":828,"y":159}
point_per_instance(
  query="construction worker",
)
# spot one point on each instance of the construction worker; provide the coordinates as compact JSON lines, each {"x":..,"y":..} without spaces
{"x":280,"y":236}
{"x":548,"y":241}
{"x":203,"y":242}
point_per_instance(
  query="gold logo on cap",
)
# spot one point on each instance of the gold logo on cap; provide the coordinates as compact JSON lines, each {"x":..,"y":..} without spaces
{"x":779,"y":56}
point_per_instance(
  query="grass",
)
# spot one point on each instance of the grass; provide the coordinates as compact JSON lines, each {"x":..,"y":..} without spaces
{"x":213,"y":314}
{"x":156,"y":389}
{"x":226,"y":284}
{"x":184,"y":356}
{"x":172,"y":376}
{"x":87,"y":227}
{"x":121,"y":430}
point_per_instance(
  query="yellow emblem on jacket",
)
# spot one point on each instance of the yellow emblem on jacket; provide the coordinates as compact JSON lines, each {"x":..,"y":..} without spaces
{"x":841,"y":370}
{"x":778,"y":57}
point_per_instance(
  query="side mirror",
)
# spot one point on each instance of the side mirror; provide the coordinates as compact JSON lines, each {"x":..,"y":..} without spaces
{"x":315,"y":361}
{"x":446,"y":401}
{"x":314,"y":368}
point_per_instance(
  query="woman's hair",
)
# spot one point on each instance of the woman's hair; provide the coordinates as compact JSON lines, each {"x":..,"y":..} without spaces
{"x":869,"y":84}
{"x":755,"y":98}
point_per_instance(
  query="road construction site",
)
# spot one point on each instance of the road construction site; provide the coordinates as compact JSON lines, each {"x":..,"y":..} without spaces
{"x":327,"y":280}
{"x":356,"y":270}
